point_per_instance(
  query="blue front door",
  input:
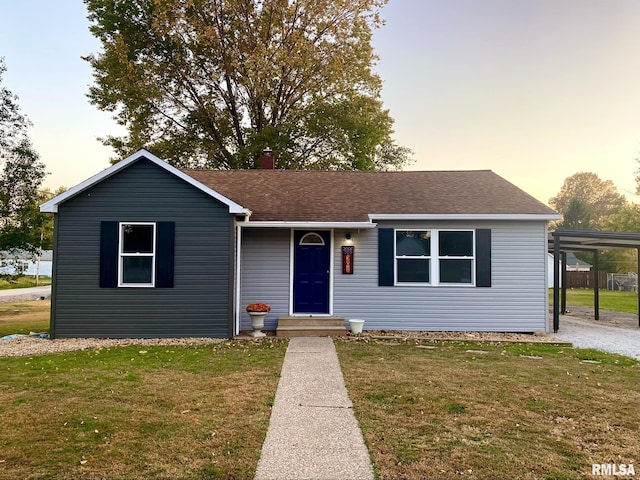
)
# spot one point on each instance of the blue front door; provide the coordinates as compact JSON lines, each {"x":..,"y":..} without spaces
{"x":311,"y":271}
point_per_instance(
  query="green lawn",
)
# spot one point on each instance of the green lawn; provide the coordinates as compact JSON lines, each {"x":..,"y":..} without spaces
{"x":609,"y":300}
{"x":138,"y":411}
{"x":24,"y":317}
{"x":22,"y":281}
{"x":516,"y":411}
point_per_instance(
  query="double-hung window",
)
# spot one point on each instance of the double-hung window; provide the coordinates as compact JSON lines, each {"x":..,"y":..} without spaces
{"x":434,"y":257}
{"x":456,"y":256}
{"x":413,"y":256}
{"x":137,"y":251}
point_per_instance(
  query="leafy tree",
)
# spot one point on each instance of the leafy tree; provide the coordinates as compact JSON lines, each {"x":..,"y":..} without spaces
{"x":210,"y":83}
{"x":47,"y":225}
{"x":577,"y":216}
{"x":637,"y":173}
{"x":626,"y":219}
{"x":614,"y":261}
{"x":586,"y":201}
{"x":590,"y":203}
{"x":12,"y":123}
{"x":22,"y":175}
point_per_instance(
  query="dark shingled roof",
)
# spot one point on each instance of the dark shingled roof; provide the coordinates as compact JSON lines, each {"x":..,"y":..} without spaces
{"x":349,"y":196}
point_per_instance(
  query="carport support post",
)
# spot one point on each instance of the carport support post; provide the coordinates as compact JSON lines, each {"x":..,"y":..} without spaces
{"x":563,"y":283}
{"x":638,"y":286}
{"x":596,"y":286}
{"x":556,"y":282}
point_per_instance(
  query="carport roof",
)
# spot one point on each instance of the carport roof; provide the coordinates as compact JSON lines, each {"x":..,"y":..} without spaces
{"x":579,"y":240}
{"x":589,"y":240}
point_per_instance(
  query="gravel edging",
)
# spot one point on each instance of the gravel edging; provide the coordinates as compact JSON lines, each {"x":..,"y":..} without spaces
{"x":29,"y":346}
{"x":489,"y":337}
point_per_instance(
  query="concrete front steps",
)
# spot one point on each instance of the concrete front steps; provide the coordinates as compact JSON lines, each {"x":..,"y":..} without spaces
{"x":310,"y":327}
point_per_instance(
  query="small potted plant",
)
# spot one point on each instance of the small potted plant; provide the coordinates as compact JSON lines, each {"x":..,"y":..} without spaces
{"x":257,"y":312}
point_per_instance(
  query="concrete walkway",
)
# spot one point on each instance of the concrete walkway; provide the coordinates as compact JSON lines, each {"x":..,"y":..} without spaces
{"x":313,"y":433}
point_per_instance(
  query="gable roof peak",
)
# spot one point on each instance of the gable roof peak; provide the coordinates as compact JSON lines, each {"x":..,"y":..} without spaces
{"x":52,"y":205}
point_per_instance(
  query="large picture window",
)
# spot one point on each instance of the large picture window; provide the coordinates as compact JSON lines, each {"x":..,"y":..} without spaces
{"x":137,"y":254}
{"x":434,"y":257}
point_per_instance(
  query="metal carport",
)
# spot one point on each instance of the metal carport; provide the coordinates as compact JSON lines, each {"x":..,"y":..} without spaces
{"x":562,"y":241}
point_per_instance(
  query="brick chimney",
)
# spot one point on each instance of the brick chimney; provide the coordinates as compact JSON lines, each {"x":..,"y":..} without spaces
{"x":267,"y":160}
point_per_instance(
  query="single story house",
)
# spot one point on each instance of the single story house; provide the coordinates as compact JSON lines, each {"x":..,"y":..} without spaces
{"x":574,"y":264}
{"x":144,"y":249}
{"x":21,"y":262}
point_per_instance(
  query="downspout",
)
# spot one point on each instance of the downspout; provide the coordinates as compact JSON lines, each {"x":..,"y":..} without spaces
{"x":54,"y":278}
{"x":563,"y":283}
{"x":556,"y":282}
{"x":238,"y":275}
{"x":596,"y":286}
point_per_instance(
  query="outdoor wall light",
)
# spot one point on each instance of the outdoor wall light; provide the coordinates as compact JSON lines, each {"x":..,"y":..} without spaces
{"x":347,"y":237}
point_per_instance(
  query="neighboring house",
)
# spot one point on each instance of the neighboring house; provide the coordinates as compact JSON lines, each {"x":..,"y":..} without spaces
{"x":146,"y":250}
{"x":573,"y":265}
{"x":20,"y":262}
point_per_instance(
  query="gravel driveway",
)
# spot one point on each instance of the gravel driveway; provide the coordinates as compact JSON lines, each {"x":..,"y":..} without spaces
{"x":588,"y":333}
{"x":25,"y":294}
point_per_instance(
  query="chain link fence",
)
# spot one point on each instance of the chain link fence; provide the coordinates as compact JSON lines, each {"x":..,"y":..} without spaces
{"x":627,"y":282}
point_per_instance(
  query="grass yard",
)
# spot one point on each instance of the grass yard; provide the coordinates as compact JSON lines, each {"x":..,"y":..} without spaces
{"x":445,"y":413}
{"x":609,"y":300}
{"x":22,"y":281}
{"x":134,"y":412}
{"x":24,"y":317}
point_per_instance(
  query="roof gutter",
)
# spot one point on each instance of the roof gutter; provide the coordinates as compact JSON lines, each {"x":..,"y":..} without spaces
{"x":309,"y":225}
{"x":465,"y":216}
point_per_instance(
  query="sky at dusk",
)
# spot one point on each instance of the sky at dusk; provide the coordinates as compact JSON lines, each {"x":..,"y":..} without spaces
{"x":535,"y":90}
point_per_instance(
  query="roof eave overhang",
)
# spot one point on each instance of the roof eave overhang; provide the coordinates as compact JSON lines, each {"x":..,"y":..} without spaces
{"x":465,"y":216}
{"x":52,"y":205}
{"x":310,"y":225}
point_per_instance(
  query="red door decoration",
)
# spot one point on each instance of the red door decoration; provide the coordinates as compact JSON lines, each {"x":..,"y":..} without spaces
{"x":347,"y":260}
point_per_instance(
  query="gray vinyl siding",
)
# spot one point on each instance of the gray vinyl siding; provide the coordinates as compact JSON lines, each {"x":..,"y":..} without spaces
{"x":199,"y":304}
{"x":516,"y":301}
{"x":264,"y":267}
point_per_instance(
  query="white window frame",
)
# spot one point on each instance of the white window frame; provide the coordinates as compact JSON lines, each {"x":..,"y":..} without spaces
{"x":307,"y":239}
{"x":412,"y":257}
{"x":122,"y":255}
{"x":435,"y":257}
{"x":472,"y":258}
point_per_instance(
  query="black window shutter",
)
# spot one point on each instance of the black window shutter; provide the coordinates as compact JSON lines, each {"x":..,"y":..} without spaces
{"x":483,"y":257}
{"x":165,"y":251}
{"x":385,"y":257}
{"x":108,"y":254}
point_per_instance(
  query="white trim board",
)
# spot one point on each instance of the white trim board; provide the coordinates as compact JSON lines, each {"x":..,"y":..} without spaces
{"x":307,"y":225}
{"x":52,"y":205}
{"x":464,"y":216}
